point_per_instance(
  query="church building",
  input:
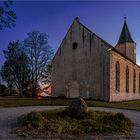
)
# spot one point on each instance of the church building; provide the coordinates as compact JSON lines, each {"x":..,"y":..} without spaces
{"x":87,"y":66}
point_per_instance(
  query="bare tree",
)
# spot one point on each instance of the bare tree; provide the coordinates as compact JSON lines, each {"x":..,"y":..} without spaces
{"x":40,"y":54}
{"x":7,"y":16}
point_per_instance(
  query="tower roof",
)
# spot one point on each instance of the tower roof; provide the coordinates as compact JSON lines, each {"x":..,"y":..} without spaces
{"x":125,"y":35}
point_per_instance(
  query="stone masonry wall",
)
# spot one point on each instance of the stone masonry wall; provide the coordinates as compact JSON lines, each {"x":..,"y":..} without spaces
{"x":128,"y":49}
{"x":123,"y":95}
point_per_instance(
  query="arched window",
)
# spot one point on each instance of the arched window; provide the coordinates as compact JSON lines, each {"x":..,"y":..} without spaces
{"x":134,"y":81}
{"x":127,"y":79}
{"x":139,"y":82}
{"x":117,"y":76}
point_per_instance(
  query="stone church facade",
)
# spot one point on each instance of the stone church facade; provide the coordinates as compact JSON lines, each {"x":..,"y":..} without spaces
{"x":87,"y":66}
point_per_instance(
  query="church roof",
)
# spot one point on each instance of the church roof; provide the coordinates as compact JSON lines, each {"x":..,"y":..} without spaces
{"x":125,"y":35}
{"x":125,"y":27}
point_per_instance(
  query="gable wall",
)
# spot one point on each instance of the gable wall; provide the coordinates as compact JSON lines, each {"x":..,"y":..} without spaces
{"x":87,"y":67}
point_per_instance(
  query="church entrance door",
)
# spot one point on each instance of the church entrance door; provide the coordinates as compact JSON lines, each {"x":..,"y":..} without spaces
{"x":74,"y":90}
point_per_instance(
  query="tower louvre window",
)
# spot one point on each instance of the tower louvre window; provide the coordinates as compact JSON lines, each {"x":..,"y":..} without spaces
{"x":117,"y":67}
{"x":127,"y":79}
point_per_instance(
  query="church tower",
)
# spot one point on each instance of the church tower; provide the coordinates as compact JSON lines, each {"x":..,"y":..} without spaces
{"x":126,"y":45}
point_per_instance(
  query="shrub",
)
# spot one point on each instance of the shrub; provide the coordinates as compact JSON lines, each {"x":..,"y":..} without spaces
{"x":116,"y":122}
{"x":61,"y":97}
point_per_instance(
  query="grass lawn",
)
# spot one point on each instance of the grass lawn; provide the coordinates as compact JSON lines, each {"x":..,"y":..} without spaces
{"x":59,"y":122}
{"x":14,"y":102}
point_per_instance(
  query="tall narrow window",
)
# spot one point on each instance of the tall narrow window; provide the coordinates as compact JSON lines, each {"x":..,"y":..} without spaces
{"x":127,"y":79}
{"x":134,"y":81}
{"x":117,"y":76}
{"x":139,"y":82}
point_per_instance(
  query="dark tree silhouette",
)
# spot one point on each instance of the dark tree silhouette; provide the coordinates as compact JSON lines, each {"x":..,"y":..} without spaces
{"x":2,"y":89}
{"x":7,"y":16}
{"x":15,"y":69}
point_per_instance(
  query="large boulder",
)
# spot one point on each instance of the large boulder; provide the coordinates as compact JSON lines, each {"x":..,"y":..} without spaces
{"x":77,"y":107}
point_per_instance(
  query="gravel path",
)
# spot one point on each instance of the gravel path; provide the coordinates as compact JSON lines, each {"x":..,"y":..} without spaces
{"x":8,"y":122}
{"x":8,"y":119}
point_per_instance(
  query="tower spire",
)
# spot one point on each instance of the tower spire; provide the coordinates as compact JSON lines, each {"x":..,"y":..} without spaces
{"x":125,"y":44}
{"x":125,"y":35}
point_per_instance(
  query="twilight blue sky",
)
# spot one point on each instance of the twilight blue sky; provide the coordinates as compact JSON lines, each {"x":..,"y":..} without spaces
{"x":54,"y":18}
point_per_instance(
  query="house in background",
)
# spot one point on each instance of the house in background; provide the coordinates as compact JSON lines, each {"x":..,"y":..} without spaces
{"x":87,"y":66}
